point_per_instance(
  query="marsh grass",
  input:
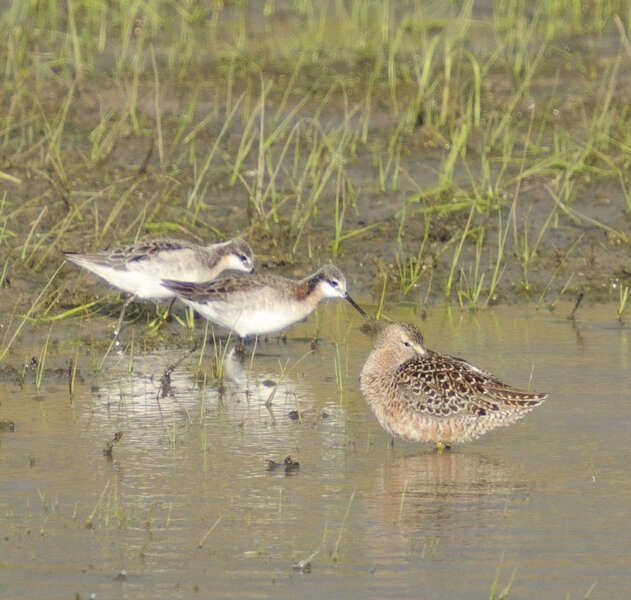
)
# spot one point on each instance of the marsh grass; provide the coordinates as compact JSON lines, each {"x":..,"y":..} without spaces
{"x":203,"y":539}
{"x":112,"y":345}
{"x":131,"y":347}
{"x":457,"y":252}
{"x":25,"y":318}
{"x":339,"y":375}
{"x":410,"y":268}
{"x":472,"y":284}
{"x":153,"y":118}
{"x":90,"y":520}
{"x":41,"y":362}
{"x":282,"y":368}
{"x":503,"y":593}
{"x":623,"y":295}
{"x":382,"y":298}
{"x":524,"y":248}
{"x":220,"y":351}
{"x":335,"y":556}
{"x":402,"y":501}
{"x":72,"y":372}
{"x":562,"y":264}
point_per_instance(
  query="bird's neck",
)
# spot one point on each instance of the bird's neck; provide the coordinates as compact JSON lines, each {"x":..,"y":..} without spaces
{"x":308,"y":292}
{"x":381,"y":361}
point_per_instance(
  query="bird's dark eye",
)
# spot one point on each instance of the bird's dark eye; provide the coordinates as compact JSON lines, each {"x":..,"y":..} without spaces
{"x":243,"y":258}
{"x":407,"y":344}
{"x":333,"y":283}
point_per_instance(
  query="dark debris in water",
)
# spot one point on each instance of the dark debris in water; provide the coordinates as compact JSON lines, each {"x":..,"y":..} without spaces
{"x":370,"y":326}
{"x":304,"y":565}
{"x":165,"y":383}
{"x":577,"y":303}
{"x":28,"y":371}
{"x":165,"y":379}
{"x":7,"y":425}
{"x":289,"y":465}
{"x":295,"y":415}
{"x":109,"y":446}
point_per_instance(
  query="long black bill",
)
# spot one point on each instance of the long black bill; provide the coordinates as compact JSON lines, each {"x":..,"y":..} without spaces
{"x":356,"y":306}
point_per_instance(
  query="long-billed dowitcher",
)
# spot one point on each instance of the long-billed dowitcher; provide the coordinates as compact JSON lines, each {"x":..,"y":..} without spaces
{"x":139,"y":268}
{"x":424,"y":396}
{"x":258,"y":304}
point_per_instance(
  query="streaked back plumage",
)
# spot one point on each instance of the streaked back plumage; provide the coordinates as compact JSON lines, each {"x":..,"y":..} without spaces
{"x":139,"y":268}
{"x":422,"y":395}
{"x":257,"y":304}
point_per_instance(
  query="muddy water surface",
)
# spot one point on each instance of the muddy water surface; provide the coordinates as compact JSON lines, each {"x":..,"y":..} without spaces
{"x":187,"y":506}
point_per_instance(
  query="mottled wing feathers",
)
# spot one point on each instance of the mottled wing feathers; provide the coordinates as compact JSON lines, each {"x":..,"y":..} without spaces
{"x":144,"y":249}
{"x":120,"y":257}
{"x":214,"y":290}
{"x":442,"y":385}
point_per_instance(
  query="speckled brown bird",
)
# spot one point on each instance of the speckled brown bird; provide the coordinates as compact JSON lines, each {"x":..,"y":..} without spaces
{"x":424,"y":396}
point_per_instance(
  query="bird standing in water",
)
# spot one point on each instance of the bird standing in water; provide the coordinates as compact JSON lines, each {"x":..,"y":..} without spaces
{"x":256,"y":304}
{"x":139,"y":268}
{"x":425,"y":396}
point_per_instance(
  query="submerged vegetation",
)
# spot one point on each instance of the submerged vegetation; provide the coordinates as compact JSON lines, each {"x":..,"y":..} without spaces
{"x":471,"y":152}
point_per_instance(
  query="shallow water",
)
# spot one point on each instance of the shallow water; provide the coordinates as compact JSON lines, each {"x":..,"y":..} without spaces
{"x":186,"y":507}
